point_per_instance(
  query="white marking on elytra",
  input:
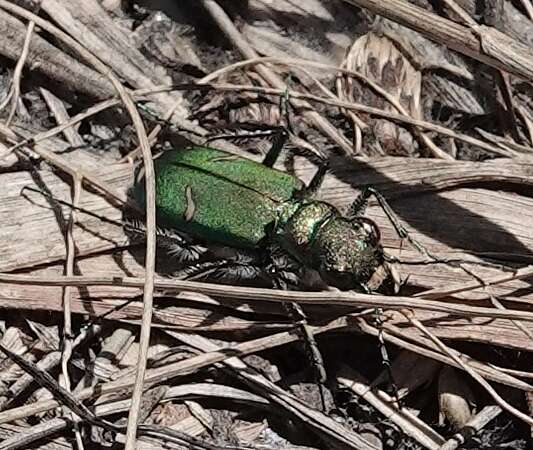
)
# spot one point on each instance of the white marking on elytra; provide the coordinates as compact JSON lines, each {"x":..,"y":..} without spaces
{"x":191,"y":207}
{"x":225,"y":158}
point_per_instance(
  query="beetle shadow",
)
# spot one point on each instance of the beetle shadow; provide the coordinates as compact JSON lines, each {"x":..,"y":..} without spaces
{"x":430,"y":213}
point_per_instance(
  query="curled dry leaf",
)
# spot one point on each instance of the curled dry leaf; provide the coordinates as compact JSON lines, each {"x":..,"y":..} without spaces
{"x":455,"y":398}
{"x":238,"y":108}
{"x":380,"y":62}
{"x":448,"y":78}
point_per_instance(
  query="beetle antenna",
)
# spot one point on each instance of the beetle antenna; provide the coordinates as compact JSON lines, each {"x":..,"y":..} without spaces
{"x":358,"y":207}
{"x":454,"y":262}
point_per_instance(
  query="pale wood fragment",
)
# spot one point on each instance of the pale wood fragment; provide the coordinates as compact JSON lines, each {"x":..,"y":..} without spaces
{"x":50,"y":60}
{"x":33,"y":234}
{"x":88,"y":22}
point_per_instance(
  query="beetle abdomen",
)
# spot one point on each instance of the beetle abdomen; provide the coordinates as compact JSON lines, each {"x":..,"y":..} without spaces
{"x":217,"y":196}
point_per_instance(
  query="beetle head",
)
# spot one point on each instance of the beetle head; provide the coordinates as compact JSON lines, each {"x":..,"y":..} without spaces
{"x":349,"y":252}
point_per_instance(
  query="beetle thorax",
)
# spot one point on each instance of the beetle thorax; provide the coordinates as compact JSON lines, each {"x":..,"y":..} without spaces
{"x":300,"y":229}
{"x":345,"y":252}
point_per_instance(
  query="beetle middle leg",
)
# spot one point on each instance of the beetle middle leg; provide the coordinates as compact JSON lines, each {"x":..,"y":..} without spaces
{"x":277,"y":134}
{"x":284,"y":271}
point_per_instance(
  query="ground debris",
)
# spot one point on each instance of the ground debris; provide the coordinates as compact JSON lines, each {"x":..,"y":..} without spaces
{"x":437,"y":116}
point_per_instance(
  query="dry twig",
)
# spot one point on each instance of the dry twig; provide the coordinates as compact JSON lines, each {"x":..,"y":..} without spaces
{"x":150,"y":203}
{"x":486,"y":44}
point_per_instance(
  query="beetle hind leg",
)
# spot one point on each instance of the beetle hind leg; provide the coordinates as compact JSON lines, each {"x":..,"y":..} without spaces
{"x":242,"y":266}
{"x":225,"y":270}
{"x":175,"y":245}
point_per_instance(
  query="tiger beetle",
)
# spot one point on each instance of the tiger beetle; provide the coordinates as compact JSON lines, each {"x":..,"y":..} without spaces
{"x":272,"y":222}
{"x":270,"y":216}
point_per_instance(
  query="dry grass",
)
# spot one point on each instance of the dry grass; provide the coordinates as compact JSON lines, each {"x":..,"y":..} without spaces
{"x":366,"y":93}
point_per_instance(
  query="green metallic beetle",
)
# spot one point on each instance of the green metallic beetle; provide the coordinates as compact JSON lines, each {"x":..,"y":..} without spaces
{"x":220,"y":198}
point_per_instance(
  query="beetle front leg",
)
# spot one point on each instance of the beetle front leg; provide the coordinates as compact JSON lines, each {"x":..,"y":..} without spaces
{"x":317,"y":180}
{"x":358,"y":207}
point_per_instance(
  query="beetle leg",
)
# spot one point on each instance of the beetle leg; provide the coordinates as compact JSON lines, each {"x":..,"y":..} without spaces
{"x":173,"y":243}
{"x":297,"y":314}
{"x":240,"y":267}
{"x":285,"y":104}
{"x":221,"y":269}
{"x":283,"y":269}
{"x":199,"y":270}
{"x":358,"y":207}
{"x":278,"y":135}
{"x":318,"y":178}
{"x":385,"y":359}
{"x":280,"y":139}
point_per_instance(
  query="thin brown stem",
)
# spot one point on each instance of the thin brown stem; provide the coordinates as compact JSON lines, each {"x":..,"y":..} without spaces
{"x":150,"y":203}
{"x":341,"y":298}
